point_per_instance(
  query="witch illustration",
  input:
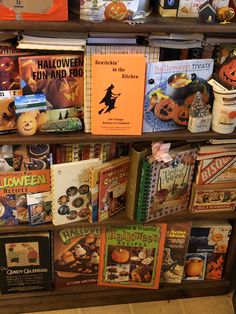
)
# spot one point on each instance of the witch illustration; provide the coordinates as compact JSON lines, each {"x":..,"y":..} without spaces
{"x":109,"y":99}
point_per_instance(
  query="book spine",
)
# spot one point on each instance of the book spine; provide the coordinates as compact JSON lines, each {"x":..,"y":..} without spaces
{"x":93,"y":206}
{"x":54,"y":205}
{"x":143,"y":192}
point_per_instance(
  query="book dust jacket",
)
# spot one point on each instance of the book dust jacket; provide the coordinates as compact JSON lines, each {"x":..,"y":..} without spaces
{"x":117,"y":93}
{"x":25,"y":263}
{"x":131,"y":256}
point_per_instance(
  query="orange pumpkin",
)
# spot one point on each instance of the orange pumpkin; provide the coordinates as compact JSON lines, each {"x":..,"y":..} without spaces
{"x":164,"y":109}
{"x":181,"y":115}
{"x":116,"y":11}
{"x":227,"y":73}
{"x":120,"y":255}
{"x":193,"y":267}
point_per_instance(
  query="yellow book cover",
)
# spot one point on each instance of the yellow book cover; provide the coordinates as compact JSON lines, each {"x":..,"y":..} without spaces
{"x":118,"y":82}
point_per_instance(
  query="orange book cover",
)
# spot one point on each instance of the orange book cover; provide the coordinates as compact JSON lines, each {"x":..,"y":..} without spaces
{"x":118,"y":82}
{"x":131,"y":256}
{"x":31,"y":181}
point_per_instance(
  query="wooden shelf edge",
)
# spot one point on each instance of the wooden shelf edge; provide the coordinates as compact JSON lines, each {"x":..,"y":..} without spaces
{"x":153,"y":23}
{"x":96,"y":296}
{"x":75,"y":138}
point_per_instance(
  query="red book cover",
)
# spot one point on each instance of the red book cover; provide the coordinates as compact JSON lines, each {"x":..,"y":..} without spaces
{"x":131,"y":256}
{"x":112,"y":189}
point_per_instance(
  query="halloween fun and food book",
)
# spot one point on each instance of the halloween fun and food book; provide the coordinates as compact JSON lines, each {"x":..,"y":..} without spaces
{"x":59,"y":77}
{"x":117,"y":93}
{"x":170,"y":89}
{"x":131,"y":256}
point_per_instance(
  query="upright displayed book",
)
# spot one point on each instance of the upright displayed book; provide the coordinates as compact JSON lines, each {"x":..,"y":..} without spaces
{"x":121,"y":85}
{"x":176,"y":246}
{"x":76,"y":256}
{"x":40,"y":208}
{"x":112,"y":189}
{"x":59,"y":77}
{"x":70,"y":191}
{"x":165,"y":186}
{"x":25,"y":262}
{"x":170,"y":89}
{"x":152,"y":54}
{"x":207,"y":249}
{"x":131,"y":256}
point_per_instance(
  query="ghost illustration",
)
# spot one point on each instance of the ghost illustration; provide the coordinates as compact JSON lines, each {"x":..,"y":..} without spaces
{"x":95,"y":258}
{"x":142,"y":254}
{"x":79,"y":251}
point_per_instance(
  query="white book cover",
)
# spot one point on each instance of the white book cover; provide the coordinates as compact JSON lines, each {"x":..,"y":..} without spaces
{"x":70,"y":191}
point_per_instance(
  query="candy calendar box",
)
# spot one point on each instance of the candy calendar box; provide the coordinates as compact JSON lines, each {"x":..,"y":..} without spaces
{"x":46,"y":10}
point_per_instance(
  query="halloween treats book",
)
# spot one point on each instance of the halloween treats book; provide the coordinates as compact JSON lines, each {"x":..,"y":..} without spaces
{"x":165,"y":186}
{"x":131,"y":256}
{"x":76,"y":256}
{"x":170,"y":89}
{"x":117,"y":101}
{"x":25,"y":262}
{"x":70,"y":191}
{"x":176,"y":246}
{"x":59,"y":77}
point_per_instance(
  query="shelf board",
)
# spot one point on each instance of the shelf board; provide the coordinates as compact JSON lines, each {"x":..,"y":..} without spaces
{"x":84,"y":296}
{"x":77,"y":137}
{"x":153,"y":23}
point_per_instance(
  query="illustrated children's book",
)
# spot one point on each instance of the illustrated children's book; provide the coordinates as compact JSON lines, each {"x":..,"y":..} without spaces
{"x":131,"y":256}
{"x":76,"y":256}
{"x":39,"y":207}
{"x":208,"y":238}
{"x":170,"y":89}
{"x":70,"y":191}
{"x":112,"y":189}
{"x":117,"y":101}
{"x":176,"y":246}
{"x":165,"y":186}
{"x":25,"y":262}
{"x":59,"y":77}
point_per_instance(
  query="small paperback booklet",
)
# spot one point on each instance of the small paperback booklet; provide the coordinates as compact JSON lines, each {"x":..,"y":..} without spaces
{"x":40,"y":208}
{"x":25,"y":262}
{"x":131,"y":256}
{"x":76,"y":256}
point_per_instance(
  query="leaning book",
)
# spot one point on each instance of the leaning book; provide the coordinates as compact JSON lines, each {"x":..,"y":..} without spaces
{"x":25,"y":262}
{"x":131,"y":256}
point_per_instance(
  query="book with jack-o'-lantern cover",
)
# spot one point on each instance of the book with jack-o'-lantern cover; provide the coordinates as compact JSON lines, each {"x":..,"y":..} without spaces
{"x":118,"y":82}
{"x":59,"y":77}
{"x":131,"y":256}
{"x":170,"y":89}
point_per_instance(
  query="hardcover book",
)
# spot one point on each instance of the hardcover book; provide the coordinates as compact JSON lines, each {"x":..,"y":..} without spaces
{"x":112,"y":189}
{"x":176,"y":246}
{"x":76,"y":256}
{"x":59,"y":77}
{"x":70,"y":191}
{"x":121,"y":84}
{"x":170,"y":89}
{"x":25,"y":262}
{"x":131,"y":256}
{"x":165,"y":186}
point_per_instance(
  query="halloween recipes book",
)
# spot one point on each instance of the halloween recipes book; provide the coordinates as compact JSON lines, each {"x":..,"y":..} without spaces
{"x":59,"y":77}
{"x":70,"y":191}
{"x":25,"y":262}
{"x":131,"y":256}
{"x":117,"y":93}
{"x":76,"y":256}
{"x":165,"y":186}
{"x":170,"y":89}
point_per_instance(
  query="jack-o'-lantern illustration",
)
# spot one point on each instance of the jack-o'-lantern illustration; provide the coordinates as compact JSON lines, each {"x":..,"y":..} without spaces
{"x":227,"y":73}
{"x":116,"y":11}
{"x":193,"y":267}
{"x":120,"y":255}
{"x":164,"y":109}
{"x":181,"y":115}
{"x":26,"y":124}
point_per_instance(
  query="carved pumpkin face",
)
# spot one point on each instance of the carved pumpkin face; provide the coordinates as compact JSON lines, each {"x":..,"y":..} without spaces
{"x":26,"y":124}
{"x":116,"y":11}
{"x":164,"y":109}
{"x":181,"y":116}
{"x":227,"y":73}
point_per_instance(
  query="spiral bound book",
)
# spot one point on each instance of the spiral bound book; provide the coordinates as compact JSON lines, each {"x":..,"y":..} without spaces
{"x":165,"y":186}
